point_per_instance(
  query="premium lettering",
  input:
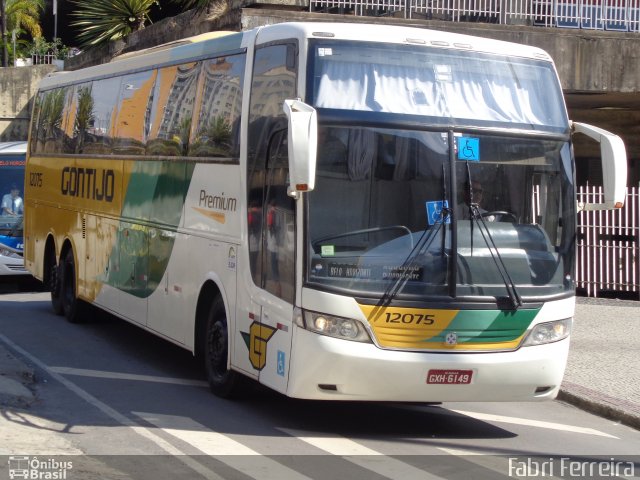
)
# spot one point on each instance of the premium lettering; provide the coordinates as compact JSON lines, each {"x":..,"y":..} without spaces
{"x":89,"y":183}
{"x":217,"y":202}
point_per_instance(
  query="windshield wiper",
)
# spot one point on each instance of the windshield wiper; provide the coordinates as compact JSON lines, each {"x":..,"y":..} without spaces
{"x":474,"y":214}
{"x":421,"y":246}
{"x":408,"y":266}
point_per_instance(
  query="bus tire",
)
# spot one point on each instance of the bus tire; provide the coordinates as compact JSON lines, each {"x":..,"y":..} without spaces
{"x":223,"y":382}
{"x":53,"y":282}
{"x":71,"y":304}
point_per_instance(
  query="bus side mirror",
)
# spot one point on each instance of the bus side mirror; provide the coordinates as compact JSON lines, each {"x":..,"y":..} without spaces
{"x":302,"y":144}
{"x":614,"y":167}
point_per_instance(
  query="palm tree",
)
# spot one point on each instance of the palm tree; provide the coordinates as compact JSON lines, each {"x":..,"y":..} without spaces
{"x":25,"y":14}
{"x":107,"y":20}
{"x":18,"y":16}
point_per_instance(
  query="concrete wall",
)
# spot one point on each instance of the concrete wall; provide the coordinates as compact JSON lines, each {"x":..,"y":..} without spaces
{"x":587,"y":60}
{"x":17,"y":88}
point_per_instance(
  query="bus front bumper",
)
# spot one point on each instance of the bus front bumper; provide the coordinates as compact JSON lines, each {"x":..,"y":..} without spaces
{"x":326,"y":368}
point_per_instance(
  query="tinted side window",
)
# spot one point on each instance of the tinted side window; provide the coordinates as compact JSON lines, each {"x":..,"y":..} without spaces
{"x":171,"y":110}
{"x":78,"y":117}
{"x":217,"y":132}
{"x":51,"y":110}
{"x":130,"y":132}
{"x":100,"y":129}
{"x":37,"y":141}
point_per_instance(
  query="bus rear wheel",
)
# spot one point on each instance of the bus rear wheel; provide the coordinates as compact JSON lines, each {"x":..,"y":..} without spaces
{"x":71,"y":304}
{"x":222,"y":381}
{"x":54,"y":284}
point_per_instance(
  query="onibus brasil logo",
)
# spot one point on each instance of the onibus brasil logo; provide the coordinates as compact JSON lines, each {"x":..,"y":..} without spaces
{"x":38,"y":469}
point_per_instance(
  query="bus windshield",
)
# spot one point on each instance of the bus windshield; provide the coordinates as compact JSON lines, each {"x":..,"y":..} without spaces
{"x":449,"y":86}
{"x":12,"y":163}
{"x":393,"y":205}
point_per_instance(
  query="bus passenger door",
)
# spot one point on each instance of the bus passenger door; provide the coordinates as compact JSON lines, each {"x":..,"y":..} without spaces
{"x":267,"y":329}
{"x":278,"y":267}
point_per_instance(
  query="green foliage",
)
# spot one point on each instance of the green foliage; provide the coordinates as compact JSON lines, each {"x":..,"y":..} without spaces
{"x":103,"y":21}
{"x":40,"y":47}
{"x":24,"y":15}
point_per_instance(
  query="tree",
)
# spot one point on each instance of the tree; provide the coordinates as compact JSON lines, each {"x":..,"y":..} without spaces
{"x":19,"y":16}
{"x":25,"y":14}
{"x":101,"y":22}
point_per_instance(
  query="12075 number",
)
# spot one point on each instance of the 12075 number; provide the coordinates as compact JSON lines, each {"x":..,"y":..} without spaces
{"x":409,"y":318}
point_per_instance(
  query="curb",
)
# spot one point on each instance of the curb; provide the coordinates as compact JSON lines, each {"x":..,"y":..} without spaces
{"x":592,"y":401}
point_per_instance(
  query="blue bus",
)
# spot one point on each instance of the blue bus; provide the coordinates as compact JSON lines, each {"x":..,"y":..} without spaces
{"x":12,"y":162}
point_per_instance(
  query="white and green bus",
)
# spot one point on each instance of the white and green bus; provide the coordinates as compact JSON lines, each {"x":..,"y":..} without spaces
{"x":338,"y":211}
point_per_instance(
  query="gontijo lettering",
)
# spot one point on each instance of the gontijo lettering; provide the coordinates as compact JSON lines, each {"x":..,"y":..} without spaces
{"x":89,"y":183}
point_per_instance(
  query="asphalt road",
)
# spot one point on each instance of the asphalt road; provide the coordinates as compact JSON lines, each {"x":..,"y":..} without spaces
{"x":127,"y":404}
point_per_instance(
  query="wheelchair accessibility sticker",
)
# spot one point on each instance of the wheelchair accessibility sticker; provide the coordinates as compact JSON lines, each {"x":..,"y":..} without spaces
{"x":434,"y":212}
{"x":468,"y":148}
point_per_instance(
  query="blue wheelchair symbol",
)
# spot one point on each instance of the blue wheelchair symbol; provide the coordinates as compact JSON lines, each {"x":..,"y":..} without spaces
{"x":469,"y":149}
{"x":281,"y":362}
{"x":434,"y":212}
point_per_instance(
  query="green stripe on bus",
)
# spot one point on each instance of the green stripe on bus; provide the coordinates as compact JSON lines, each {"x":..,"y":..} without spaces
{"x":155,"y":197}
{"x":488,"y":326}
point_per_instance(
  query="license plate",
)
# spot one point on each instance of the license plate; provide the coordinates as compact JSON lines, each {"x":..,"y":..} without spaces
{"x":448,"y":377}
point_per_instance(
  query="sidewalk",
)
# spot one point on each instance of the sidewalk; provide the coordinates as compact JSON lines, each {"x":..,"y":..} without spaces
{"x":603,"y":371}
{"x":602,"y":376}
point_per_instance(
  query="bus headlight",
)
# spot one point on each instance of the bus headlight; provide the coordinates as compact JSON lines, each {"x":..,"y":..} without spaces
{"x":549,"y":332}
{"x":6,"y":252}
{"x":332,"y":326}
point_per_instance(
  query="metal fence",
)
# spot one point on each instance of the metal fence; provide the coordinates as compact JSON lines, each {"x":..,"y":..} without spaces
{"x":620,"y":15}
{"x":608,"y":246}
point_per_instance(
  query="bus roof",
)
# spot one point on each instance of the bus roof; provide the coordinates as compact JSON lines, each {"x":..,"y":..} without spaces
{"x":11,"y":148}
{"x":204,"y":45}
{"x":401,"y":35}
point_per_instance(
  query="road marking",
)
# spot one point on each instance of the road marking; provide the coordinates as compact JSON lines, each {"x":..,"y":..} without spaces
{"x":487,"y":417}
{"x":222,"y":447}
{"x":458,"y":452}
{"x":127,"y":376}
{"x":362,"y":456}
{"x":117,"y":416}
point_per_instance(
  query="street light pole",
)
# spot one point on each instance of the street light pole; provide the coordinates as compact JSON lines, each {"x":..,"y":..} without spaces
{"x":55,"y":20}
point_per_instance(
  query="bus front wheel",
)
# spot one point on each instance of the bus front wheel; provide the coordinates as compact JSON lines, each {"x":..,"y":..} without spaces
{"x":70,"y":303}
{"x":222,"y":380}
